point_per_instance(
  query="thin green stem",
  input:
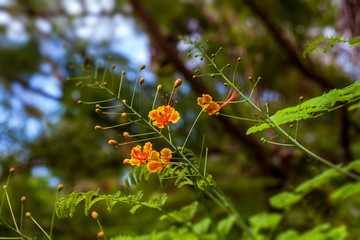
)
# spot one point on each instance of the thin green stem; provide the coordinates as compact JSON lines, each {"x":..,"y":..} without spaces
{"x":22,"y":215}
{"x":11,"y":211}
{"x":5,"y":186}
{"x":120,"y":85}
{"x":37,"y":224}
{"x":192,"y":127}
{"x":239,"y":118}
{"x":53,"y":215}
{"x":156,"y":94}
{"x":297,"y":120}
{"x":105,"y":70}
{"x":136,"y":82}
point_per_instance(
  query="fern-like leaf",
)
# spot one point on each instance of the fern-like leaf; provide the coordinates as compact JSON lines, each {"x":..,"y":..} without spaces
{"x":331,"y":42}
{"x":313,"y":107}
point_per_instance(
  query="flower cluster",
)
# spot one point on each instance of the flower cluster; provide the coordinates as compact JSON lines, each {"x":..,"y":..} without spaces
{"x":155,"y":161}
{"x":138,"y":155}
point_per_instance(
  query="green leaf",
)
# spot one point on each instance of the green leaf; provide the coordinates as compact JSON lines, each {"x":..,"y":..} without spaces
{"x":353,"y":166}
{"x":134,"y":208}
{"x":317,"y":181}
{"x":287,"y":235}
{"x":264,"y":220}
{"x":284,"y":200}
{"x":332,"y":41}
{"x":345,"y":191}
{"x":224,"y":226}
{"x":156,"y":202}
{"x":183,"y":215}
{"x":202,"y":226}
{"x":312,"y":108}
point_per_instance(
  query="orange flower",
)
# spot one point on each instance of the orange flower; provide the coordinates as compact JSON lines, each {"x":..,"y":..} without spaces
{"x":163,"y":115}
{"x":157,"y":164}
{"x":140,"y":157}
{"x":212,"y":107}
{"x":207,"y":104}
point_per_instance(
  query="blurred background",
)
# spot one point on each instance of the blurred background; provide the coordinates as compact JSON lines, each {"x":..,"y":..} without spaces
{"x":50,"y":139}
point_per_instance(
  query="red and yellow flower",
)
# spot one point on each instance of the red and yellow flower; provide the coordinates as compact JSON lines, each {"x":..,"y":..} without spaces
{"x":207,"y":104}
{"x":157,"y":164}
{"x":211,"y":107}
{"x":138,"y":157}
{"x":164,"y":115}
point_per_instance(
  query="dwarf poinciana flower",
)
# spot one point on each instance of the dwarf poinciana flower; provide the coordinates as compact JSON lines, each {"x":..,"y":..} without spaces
{"x":211,"y":107}
{"x":157,"y":164}
{"x":163,"y":115}
{"x":138,"y":157}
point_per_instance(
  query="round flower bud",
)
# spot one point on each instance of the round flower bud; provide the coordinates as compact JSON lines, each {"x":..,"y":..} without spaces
{"x":100,"y":234}
{"x":142,"y":67}
{"x":142,"y":80}
{"x":126,"y":161}
{"x":12,"y":169}
{"x":94,"y":215}
{"x":159,"y":87}
{"x":177,"y":83}
{"x":28,"y":214}
{"x":78,"y":102}
{"x":301,"y":98}
{"x":124,"y":115}
{"x":123,"y":72}
{"x":112,"y":143}
{"x":124,"y":100}
{"x":23,"y":199}
{"x":60,"y":187}
{"x":78,"y":84}
{"x":126,"y":134}
{"x":113,"y":66}
{"x":105,"y":83}
{"x":97,"y":110}
{"x":97,"y":127}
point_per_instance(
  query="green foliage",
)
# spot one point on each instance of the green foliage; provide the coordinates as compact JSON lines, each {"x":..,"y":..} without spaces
{"x":321,"y":232}
{"x":136,"y":175}
{"x":312,"y":108}
{"x":317,"y":181}
{"x":172,"y":233}
{"x":332,"y":41}
{"x":66,"y":205}
{"x":284,"y":200}
{"x":345,"y":191}
{"x":185,"y":214}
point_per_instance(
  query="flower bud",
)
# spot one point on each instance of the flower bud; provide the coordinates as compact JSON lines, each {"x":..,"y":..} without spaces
{"x":110,"y":57}
{"x":113,"y":66}
{"x":94,"y":215}
{"x":78,"y":84}
{"x":97,"y":110}
{"x":177,"y":83}
{"x":159,"y":87}
{"x":60,"y":187}
{"x":142,"y":67}
{"x":78,"y":102}
{"x":28,"y":214}
{"x":12,"y":169}
{"x":105,"y":83}
{"x":23,"y":199}
{"x":142,"y":80}
{"x":123,"y":72}
{"x":97,"y":127}
{"x":124,"y":100}
{"x":124,"y":115}
{"x":126,"y":161}
{"x":112,"y":143}
{"x":100,"y":234}
{"x":301,"y":98}
{"x":126,"y":134}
